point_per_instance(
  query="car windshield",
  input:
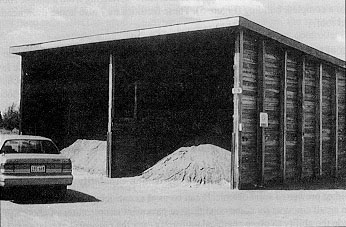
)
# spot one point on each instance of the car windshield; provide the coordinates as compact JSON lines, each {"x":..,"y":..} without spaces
{"x":29,"y":146}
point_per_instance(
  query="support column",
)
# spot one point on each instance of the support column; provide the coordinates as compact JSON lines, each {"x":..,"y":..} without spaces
{"x":111,"y":87}
{"x":237,"y":90}
{"x":283,"y":117}
{"x":335,"y":121}
{"x":260,"y":108}
{"x":319,"y":120}
{"x":301,"y":119}
{"x":22,"y":74}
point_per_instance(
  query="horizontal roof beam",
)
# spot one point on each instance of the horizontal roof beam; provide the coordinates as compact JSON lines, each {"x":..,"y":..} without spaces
{"x":132,"y":34}
{"x":180,"y":28}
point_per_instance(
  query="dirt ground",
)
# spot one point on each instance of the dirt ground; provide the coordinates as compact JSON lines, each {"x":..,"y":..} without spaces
{"x":94,"y":200}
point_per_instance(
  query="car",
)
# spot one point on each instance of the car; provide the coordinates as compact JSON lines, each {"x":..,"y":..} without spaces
{"x":33,"y":161}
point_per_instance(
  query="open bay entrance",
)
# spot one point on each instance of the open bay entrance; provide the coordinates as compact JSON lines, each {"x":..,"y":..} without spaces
{"x":169,"y":91}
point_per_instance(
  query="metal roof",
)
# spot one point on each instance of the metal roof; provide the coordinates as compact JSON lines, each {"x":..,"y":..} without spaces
{"x":179,"y":28}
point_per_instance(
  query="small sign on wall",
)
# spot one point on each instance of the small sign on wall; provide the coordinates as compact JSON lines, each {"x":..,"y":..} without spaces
{"x":237,"y":90}
{"x":263,"y":120}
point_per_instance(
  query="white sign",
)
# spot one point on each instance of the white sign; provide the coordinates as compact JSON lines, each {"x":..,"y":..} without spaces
{"x":236,"y":90}
{"x":263,"y":120}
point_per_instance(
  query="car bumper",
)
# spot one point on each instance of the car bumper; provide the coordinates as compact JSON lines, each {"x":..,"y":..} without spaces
{"x":8,"y":181}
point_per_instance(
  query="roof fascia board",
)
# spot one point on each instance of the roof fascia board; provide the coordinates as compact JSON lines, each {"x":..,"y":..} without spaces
{"x":140,"y":33}
{"x":243,"y":22}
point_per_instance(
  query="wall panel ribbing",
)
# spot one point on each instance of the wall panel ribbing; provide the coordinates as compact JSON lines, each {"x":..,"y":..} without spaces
{"x":249,"y":168}
{"x":310,"y":118}
{"x":342,"y":122}
{"x":327,"y":121}
{"x":273,"y":71}
{"x":292,"y":116}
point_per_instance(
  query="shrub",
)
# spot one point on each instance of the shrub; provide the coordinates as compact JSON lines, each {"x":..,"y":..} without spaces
{"x":1,"y":121}
{"x":11,"y":118}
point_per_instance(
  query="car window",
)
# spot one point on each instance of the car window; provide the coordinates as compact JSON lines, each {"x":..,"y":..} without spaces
{"x":29,"y":146}
{"x":49,"y":148}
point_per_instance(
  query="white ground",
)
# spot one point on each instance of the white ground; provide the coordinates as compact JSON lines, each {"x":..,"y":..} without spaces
{"x":139,"y":202}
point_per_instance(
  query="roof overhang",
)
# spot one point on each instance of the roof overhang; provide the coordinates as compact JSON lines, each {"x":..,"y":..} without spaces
{"x":180,"y":28}
{"x":132,"y":34}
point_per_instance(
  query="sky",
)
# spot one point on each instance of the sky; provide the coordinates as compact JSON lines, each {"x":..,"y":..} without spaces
{"x":317,"y":23}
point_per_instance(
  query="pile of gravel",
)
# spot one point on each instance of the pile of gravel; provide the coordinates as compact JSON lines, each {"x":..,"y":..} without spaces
{"x":201,"y":164}
{"x":88,"y":155}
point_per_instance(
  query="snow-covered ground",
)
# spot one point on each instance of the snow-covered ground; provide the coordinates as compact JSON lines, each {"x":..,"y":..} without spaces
{"x":94,"y":200}
{"x":193,"y":191}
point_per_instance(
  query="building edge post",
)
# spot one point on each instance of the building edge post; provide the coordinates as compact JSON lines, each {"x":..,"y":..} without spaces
{"x":260,"y":108}
{"x":110,"y":117}
{"x":318,"y":148}
{"x":236,"y":147}
{"x":301,"y":114}
{"x":22,"y":74}
{"x":283,"y":117}
{"x":336,"y":122}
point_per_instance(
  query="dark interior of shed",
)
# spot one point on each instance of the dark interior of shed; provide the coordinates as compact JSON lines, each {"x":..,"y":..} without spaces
{"x":65,"y":95}
{"x":170,"y":91}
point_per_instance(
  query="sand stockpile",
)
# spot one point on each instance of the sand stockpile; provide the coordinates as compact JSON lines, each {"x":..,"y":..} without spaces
{"x":88,"y":155}
{"x":201,"y":164}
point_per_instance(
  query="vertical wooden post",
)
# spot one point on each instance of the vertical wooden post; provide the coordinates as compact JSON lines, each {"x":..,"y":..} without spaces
{"x":111,"y":82}
{"x":336,"y":121}
{"x":135,"y":108}
{"x":319,"y":116}
{"x":260,"y":108}
{"x":238,"y":68}
{"x":283,"y":117}
{"x":240,"y":126}
{"x":301,"y":118}
{"x":22,"y":74}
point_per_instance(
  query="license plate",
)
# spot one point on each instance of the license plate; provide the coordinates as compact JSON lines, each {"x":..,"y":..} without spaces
{"x":38,"y":169}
